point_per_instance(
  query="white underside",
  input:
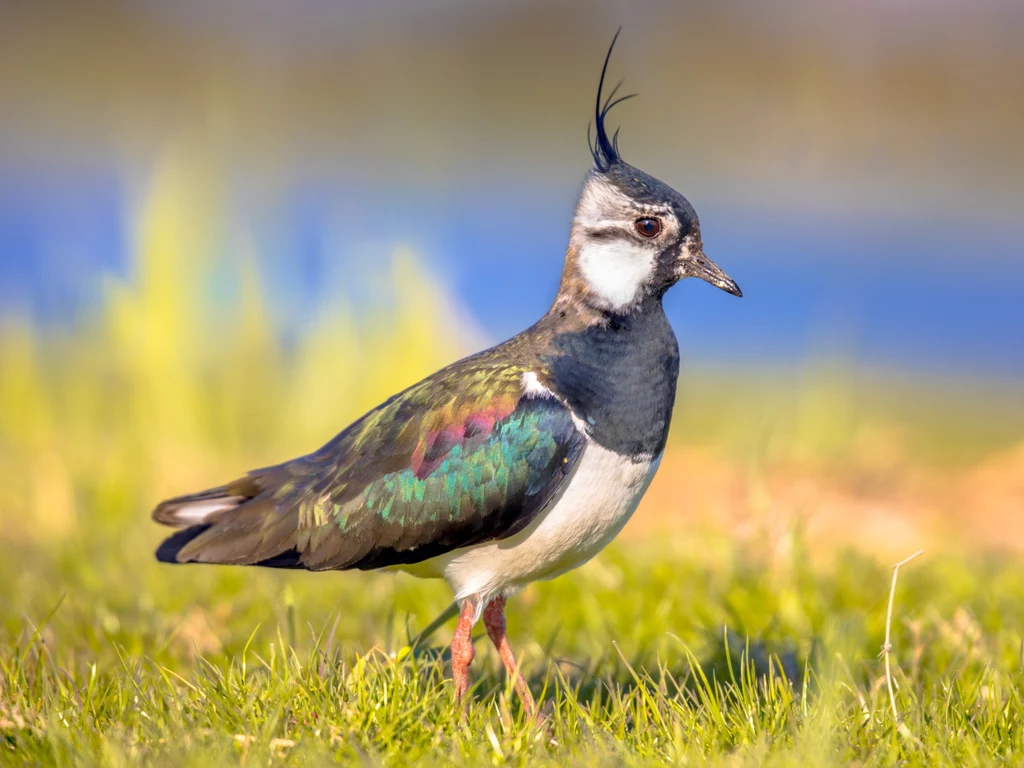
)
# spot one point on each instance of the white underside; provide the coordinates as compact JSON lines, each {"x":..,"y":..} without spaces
{"x":598,"y":499}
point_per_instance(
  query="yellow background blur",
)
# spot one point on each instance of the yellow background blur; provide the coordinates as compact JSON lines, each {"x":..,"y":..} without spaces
{"x":858,"y":169}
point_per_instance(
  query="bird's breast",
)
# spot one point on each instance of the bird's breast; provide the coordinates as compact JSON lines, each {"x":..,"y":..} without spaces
{"x":620,"y":380}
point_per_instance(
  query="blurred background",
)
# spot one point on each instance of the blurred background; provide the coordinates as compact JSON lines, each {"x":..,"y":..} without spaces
{"x":227,"y":229}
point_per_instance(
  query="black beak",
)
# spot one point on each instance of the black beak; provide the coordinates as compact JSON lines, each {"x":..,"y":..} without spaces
{"x":704,"y":268}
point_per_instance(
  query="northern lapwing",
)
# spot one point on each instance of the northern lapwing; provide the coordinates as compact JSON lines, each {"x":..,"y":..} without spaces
{"x":516,"y":464}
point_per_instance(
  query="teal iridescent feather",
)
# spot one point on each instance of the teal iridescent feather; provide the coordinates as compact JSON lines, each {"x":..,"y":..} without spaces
{"x":519,"y":442}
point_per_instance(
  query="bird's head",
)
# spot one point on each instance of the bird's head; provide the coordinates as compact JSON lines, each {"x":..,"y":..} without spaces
{"x":633,"y":236}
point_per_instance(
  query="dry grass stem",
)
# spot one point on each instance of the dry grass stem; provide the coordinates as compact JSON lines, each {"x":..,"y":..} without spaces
{"x":887,"y":646}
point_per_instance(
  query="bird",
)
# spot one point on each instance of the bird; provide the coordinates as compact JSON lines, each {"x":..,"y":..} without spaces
{"x":513,"y":465}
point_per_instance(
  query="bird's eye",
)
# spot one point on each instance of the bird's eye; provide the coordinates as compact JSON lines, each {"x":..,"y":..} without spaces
{"x":648,"y":227}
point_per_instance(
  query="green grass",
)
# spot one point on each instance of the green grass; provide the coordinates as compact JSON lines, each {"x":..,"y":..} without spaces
{"x":691,"y":652}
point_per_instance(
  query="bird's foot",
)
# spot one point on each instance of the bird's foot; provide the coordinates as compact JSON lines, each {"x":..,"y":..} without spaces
{"x":494,"y":620}
{"x":462,"y":650}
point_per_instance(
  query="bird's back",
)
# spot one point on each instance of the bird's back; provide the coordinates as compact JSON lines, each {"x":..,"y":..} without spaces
{"x":460,"y":457}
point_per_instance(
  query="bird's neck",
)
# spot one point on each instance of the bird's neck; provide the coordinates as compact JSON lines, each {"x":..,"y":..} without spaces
{"x":574,"y":309}
{"x":616,"y":371}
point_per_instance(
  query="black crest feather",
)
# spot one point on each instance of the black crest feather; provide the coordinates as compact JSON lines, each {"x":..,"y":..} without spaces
{"x":606,"y":150}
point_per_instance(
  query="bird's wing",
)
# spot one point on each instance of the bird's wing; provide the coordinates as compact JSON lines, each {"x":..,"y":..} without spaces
{"x":461,"y":458}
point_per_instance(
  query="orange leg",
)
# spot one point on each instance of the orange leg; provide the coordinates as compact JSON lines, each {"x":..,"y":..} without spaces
{"x":494,"y":620}
{"x":462,"y":648}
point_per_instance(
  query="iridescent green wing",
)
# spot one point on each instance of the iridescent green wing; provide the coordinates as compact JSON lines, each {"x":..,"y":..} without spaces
{"x":460,"y":458}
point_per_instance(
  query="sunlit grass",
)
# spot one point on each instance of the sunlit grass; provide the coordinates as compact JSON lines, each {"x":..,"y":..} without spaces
{"x":711,"y":645}
{"x":657,"y":652}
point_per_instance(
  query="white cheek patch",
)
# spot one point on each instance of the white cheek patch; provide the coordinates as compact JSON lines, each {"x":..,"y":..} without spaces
{"x":616,"y":272}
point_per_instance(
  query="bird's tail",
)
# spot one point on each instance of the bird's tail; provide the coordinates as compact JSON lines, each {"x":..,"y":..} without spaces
{"x":197,"y":508}
{"x":194,"y":514}
{"x":237,"y":523}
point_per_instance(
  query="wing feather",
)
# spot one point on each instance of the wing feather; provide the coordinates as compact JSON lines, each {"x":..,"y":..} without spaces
{"x":461,"y":458}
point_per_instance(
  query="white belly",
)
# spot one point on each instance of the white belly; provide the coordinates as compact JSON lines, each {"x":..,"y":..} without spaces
{"x":598,"y":499}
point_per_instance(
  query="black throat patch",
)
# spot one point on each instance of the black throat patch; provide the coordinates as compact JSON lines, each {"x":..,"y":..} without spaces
{"x":621,"y":379}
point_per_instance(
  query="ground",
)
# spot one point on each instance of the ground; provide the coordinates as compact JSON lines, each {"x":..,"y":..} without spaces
{"x":684,"y":649}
